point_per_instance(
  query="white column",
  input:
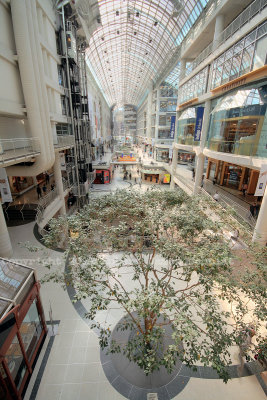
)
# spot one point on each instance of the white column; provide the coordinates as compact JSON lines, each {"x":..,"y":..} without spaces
{"x":149,"y":112}
{"x":173,"y":166}
{"x":182,"y":68}
{"x":201,"y":158}
{"x":260,"y":231}
{"x":219,"y":25}
{"x":5,"y":243}
{"x":59,"y":183}
{"x":199,"y":172}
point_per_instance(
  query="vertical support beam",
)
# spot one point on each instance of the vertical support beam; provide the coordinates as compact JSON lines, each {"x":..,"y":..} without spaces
{"x":5,"y":243}
{"x":260,"y":231}
{"x":59,"y":183}
{"x":219,"y":25}
{"x":149,"y":113}
{"x":174,"y":166}
{"x":200,"y":157}
{"x":182,"y":68}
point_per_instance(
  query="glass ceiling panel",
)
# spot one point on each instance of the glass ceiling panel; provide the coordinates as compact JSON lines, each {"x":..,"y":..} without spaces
{"x":135,"y":39}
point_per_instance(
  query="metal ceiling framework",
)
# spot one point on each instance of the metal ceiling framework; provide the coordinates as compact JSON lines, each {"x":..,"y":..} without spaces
{"x":134,"y":42}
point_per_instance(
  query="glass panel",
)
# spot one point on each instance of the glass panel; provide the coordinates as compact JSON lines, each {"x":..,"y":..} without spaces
{"x":15,"y":361}
{"x":246,"y":60}
{"x":31,"y":329}
{"x":235,"y":66}
{"x":260,"y":57}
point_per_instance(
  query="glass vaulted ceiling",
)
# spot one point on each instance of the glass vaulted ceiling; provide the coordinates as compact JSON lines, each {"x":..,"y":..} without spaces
{"x":134,"y":40}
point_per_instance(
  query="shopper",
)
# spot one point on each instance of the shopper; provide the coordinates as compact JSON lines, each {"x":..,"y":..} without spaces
{"x":216,"y":196}
{"x":202,"y":181}
{"x":193,"y":174}
{"x":244,"y":189}
{"x":44,"y":189}
{"x":52,"y":186}
{"x":252,"y":210}
{"x":47,"y":178}
{"x":214,"y":181}
{"x":39,"y":191}
{"x":130,"y":176}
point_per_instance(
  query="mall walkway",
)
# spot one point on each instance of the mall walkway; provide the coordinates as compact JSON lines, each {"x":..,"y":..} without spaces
{"x":70,"y":368}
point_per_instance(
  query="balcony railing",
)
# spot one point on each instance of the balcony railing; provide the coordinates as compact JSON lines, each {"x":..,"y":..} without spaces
{"x":43,"y":203}
{"x":65,"y":141}
{"x":18,"y":147}
{"x":247,"y":147}
{"x":249,"y":12}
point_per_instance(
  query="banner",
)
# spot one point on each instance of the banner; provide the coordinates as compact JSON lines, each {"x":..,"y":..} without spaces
{"x":198,"y":127}
{"x":4,"y":187}
{"x":261,"y":185}
{"x":172,"y":131}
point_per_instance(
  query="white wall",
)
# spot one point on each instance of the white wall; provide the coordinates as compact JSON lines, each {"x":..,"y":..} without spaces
{"x":11,"y":96}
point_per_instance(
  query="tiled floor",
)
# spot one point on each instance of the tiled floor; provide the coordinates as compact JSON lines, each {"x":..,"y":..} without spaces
{"x":73,"y":370}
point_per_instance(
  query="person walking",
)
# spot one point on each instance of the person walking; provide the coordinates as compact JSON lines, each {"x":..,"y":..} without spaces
{"x":216,"y":196}
{"x":202,"y":181}
{"x":244,"y":189}
{"x":130,"y":176}
{"x":44,"y":189}
{"x":47,"y":178}
{"x":39,"y":191}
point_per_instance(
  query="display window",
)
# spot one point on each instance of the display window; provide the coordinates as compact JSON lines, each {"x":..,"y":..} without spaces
{"x":186,"y":127}
{"x":162,"y":155}
{"x":20,"y":183}
{"x":238,"y":122}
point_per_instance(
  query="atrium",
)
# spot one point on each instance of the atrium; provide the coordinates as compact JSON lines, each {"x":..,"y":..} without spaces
{"x":133,"y":173}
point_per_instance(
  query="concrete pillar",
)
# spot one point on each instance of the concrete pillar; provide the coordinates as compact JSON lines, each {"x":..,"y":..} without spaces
{"x":59,"y":183}
{"x":260,"y":231}
{"x":219,"y":25}
{"x":173,"y":166}
{"x":201,"y":158}
{"x":182,"y":68}
{"x":149,"y":113}
{"x":199,"y":172}
{"x":5,"y":243}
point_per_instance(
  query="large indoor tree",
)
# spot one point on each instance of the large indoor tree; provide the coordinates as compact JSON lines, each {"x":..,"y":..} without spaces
{"x":185,"y":274}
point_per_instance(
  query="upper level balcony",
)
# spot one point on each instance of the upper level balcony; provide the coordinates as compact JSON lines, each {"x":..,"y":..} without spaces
{"x":17,"y":150}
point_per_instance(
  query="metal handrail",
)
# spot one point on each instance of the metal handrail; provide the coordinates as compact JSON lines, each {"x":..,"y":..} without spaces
{"x":65,"y":140}
{"x":11,"y":148}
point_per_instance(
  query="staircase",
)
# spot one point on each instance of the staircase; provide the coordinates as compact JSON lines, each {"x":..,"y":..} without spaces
{"x":20,"y":214}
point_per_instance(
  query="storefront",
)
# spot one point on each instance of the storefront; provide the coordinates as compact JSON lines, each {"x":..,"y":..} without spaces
{"x":22,"y":327}
{"x":189,"y":126}
{"x":20,"y":184}
{"x":104,"y":174}
{"x":151,"y":175}
{"x":163,"y":153}
{"x":238,"y":121}
{"x":186,"y":157}
{"x":232,"y":176}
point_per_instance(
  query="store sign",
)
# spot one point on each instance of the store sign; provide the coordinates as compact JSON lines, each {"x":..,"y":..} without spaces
{"x":166,"y":178}
{"x":62,"y":162}
{"x":4,"y":187}
{"x":262,"y":181}
{"x":198,"y":127}
{"x":172,"y":131}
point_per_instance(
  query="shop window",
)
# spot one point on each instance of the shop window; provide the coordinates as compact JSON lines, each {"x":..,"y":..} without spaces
{"x":30,"y":330}
{"x":162,"y":120}
{"x":15,"y":362}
